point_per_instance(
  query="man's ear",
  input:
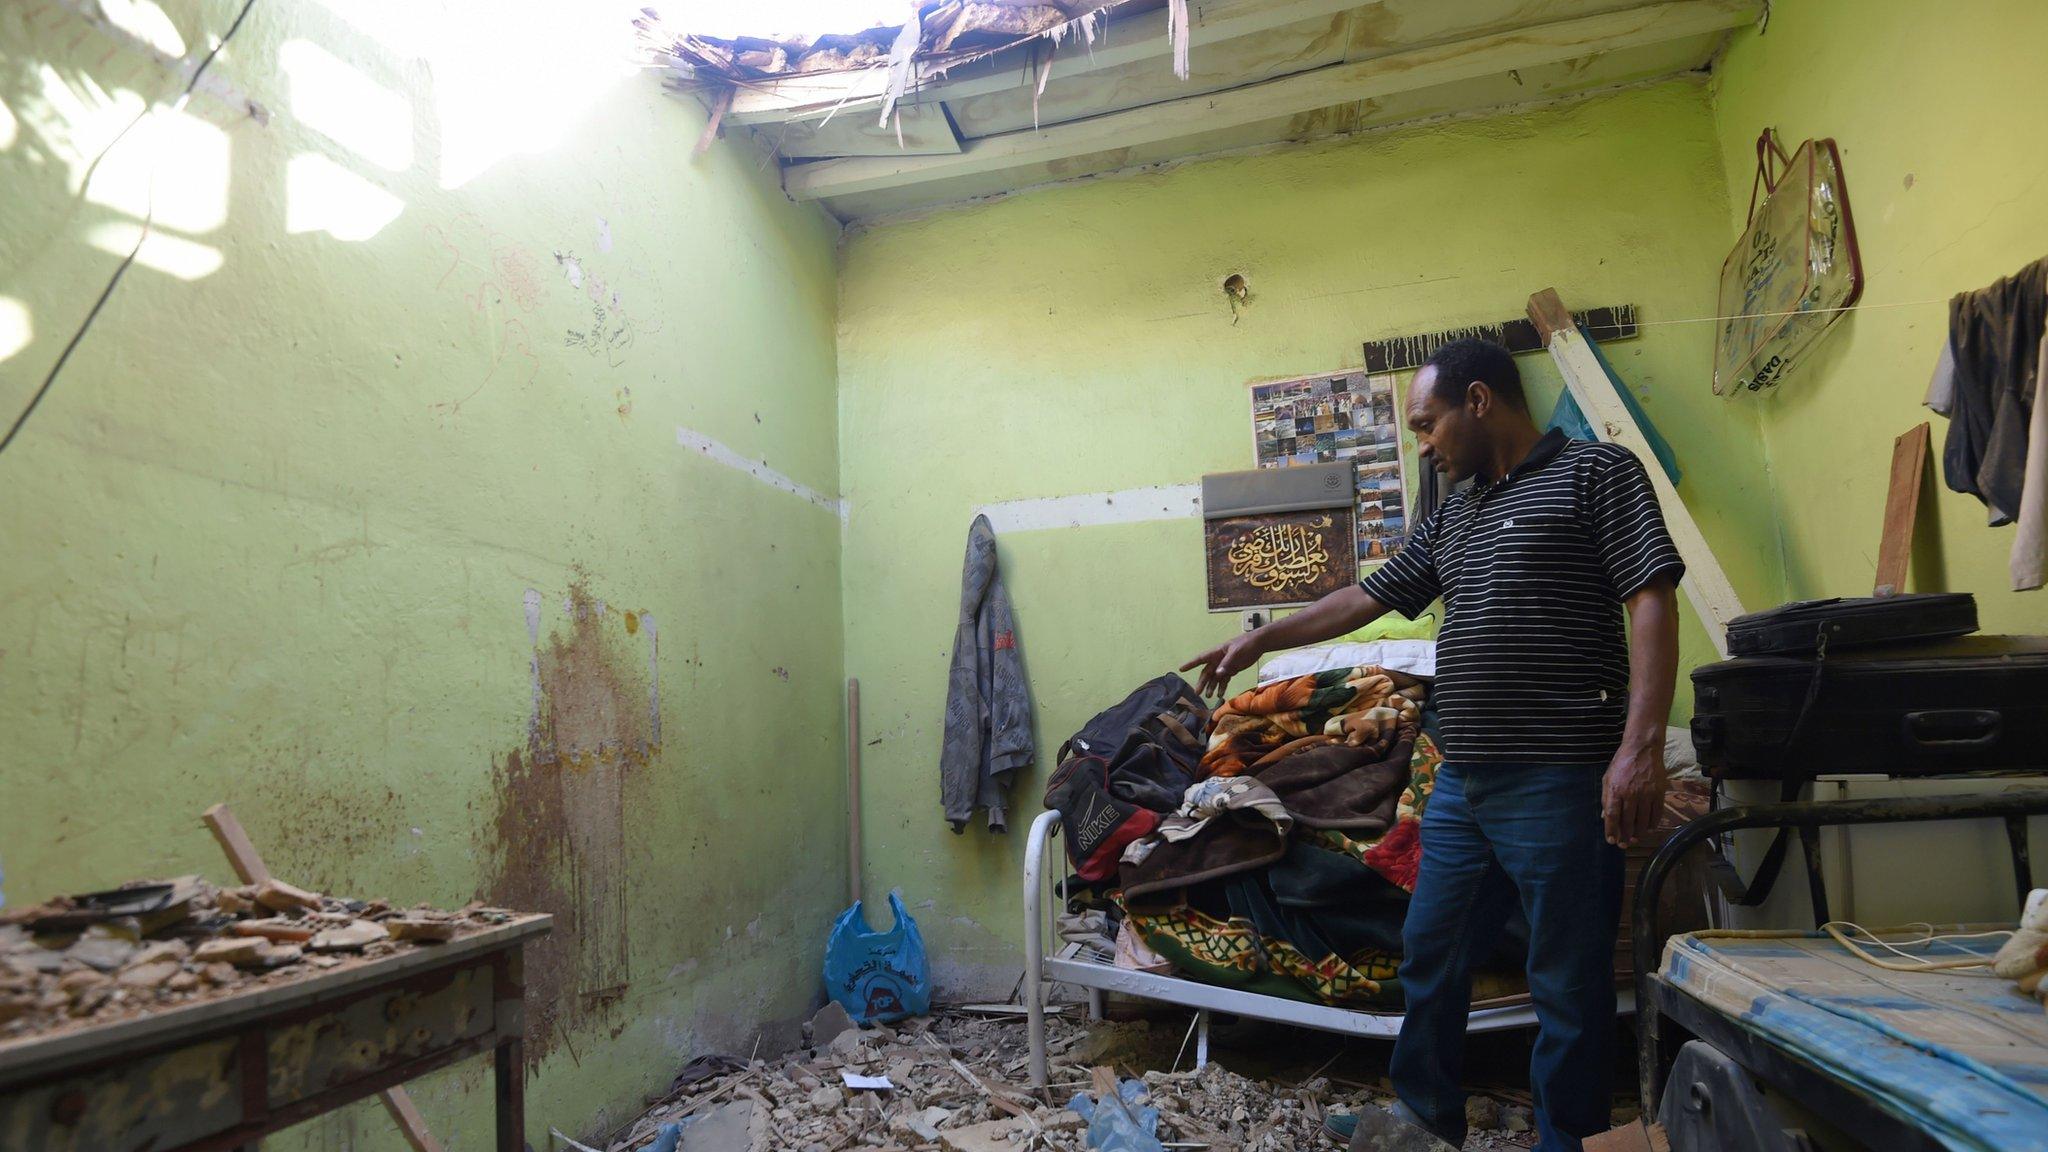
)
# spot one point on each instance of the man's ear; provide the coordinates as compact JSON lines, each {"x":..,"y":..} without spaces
{"x":1479,"y":397}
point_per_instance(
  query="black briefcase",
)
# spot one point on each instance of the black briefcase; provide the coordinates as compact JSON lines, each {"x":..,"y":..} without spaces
{"x":1843,"y":622}
{"x":1974,"y":704}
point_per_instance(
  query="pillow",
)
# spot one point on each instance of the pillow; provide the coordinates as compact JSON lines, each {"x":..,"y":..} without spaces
{"x":1415,"y":657}
{"x":1392,"y":626}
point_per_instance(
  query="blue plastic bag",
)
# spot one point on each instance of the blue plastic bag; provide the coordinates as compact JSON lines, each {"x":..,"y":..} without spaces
{"x":878,"y":976}
{"x":1567,"y":416}
{"x":1120,"y":1123}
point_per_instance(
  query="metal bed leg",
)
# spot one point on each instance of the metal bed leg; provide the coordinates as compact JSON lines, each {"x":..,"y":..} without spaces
{"x":2022,"y":865}
{"x":1034,"y":942}
{"x":1201,"y":1039}
{"x":1095,"y":1000}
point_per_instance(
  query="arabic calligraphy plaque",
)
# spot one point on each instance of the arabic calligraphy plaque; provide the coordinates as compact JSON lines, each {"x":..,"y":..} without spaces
{"x":1278,"y":559}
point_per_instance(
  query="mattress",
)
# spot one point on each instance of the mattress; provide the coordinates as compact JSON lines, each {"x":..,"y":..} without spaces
{"x":1962,"y":1054}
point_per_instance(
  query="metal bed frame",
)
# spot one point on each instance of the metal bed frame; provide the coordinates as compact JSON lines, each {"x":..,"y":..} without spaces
{"x":1668,"y":1015}
{"x":1094,"y":969}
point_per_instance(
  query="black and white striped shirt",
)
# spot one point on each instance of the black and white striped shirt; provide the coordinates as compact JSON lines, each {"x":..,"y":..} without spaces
{"x":1532,"y":665}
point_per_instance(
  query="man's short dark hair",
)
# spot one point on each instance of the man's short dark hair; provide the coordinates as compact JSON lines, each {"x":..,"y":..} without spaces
{"x":1461,"y":362}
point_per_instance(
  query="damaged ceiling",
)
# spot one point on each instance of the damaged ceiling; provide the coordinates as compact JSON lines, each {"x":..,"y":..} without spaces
{"x":978,"y":98}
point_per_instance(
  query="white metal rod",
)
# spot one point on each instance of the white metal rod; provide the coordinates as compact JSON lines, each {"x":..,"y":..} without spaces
{"x":1034,"y":941}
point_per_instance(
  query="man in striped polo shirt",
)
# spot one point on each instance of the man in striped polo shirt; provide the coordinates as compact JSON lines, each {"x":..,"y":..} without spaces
{"x":1552,"y":717}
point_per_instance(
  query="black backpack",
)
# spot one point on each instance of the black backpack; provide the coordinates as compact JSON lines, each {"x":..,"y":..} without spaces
{"x":1152,"y":742}
{"x":1097,"y":824}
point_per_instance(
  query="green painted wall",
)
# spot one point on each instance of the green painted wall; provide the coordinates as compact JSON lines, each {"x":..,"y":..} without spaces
{"x":354,"y":511}
{"x":1075,"y":340}
{"x":348,"y":520}
{"x":1947,"y":169}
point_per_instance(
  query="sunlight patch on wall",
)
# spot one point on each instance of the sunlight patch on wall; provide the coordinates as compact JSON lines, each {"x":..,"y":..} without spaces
{"x":188,"y":159}
{"x":171,"y":255}
{"x":78,"y":123}
{"x":332,"y":97}
{"x":145,"y":20}
{"x":322,"y":196}
{"x":15,"y":329}
{"x":10,"y":128}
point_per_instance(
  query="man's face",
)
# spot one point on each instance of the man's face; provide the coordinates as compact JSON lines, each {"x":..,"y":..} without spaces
{"x":1447,"y":435}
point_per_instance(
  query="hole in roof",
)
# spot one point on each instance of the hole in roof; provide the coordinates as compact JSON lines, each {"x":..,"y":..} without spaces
{"x":781,"y":19}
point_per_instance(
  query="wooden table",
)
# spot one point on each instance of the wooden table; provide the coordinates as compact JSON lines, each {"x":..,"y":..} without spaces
{"x":224,"y":1073}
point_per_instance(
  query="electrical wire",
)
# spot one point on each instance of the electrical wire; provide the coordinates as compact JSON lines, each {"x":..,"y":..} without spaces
{"x":148,"y":224}
{"x":1840,"y":929}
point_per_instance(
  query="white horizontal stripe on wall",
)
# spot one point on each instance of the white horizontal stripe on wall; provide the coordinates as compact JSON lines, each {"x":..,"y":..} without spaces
{"x":1127,"y":506}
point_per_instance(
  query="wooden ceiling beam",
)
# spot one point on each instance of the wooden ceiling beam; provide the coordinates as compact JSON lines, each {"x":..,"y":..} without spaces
{"x":1336,"y":84}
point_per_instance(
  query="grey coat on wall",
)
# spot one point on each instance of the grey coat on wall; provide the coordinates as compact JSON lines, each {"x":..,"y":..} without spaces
{"x":988,"y":704}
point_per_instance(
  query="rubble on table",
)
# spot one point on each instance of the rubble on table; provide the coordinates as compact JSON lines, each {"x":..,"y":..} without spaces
{"x":958,"y":1085}
{"x":157,"y":944}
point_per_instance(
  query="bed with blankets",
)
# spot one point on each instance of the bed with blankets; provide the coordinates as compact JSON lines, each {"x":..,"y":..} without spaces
{"x":1269,"y":846}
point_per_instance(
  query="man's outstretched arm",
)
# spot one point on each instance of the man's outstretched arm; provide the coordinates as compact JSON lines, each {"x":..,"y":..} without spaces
{"x":1345,"y":610}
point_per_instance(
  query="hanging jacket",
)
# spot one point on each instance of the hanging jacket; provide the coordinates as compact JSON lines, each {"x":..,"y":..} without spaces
{"x":988,"y":705}
{"x":1986,"y":379}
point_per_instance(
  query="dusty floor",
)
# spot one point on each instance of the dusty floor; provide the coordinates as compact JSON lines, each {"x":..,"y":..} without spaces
{"x":959,"y":1084}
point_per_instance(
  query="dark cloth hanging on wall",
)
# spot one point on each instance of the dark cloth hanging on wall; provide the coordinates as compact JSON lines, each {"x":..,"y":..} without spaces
{"x":988,"y":704}
{"x":1989,"y":373}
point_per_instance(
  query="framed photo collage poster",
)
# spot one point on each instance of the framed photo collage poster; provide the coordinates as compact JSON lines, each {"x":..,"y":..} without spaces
{"x":1350,"y":416}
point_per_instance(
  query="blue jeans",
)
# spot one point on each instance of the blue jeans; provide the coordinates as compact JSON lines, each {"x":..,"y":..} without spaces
{"x":1490,"y":836}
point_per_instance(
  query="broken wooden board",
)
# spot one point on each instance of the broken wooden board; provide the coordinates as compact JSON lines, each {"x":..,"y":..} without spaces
{"x":242,"y":855}
{"x":1598,"y":396}
{"x":714,"y":124}
{"x":1401,"y":353}
{"x":1901,"y":509}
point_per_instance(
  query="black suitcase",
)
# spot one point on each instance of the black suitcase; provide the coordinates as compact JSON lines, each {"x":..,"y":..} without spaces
{"x":1808,"y":625}
{"x":1974,"y":704}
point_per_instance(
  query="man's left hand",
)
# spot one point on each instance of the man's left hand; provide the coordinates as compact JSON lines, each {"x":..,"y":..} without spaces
{"x":1632,"y":794}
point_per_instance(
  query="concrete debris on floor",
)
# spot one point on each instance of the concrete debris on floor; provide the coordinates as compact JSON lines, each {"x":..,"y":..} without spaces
{"x":152,"y":945}
{"x":958,"y":1083}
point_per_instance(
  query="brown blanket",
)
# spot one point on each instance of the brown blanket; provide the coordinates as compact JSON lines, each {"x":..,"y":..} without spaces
{"x":1364,"y":707}
{"x":1326,"y":783}
{"x":1233,"y":824}
{"x":1227,"y":826}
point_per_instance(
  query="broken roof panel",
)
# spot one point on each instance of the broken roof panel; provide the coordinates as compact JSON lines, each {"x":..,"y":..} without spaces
{"x":950,"y":32}
{"x":973,"y":98}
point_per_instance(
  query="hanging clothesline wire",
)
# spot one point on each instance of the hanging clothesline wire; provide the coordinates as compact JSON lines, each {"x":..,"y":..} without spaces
{"x":1794,"y":312}
{"x":1660,"y":323}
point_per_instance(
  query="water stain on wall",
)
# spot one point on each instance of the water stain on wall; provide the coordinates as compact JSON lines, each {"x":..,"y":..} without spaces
{"x":557,"y":839}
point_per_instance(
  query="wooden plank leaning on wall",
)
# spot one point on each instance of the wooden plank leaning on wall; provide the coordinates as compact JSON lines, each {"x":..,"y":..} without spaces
{"x":1598,"y":396}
